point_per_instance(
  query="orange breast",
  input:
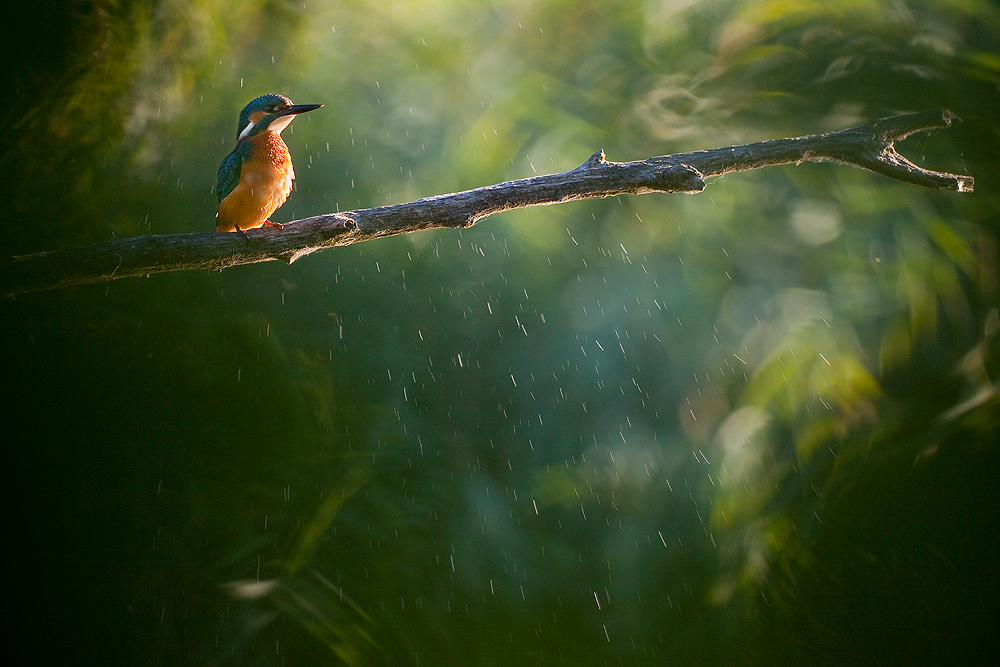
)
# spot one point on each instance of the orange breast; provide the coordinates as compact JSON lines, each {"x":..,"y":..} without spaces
{"x":265,"y":181}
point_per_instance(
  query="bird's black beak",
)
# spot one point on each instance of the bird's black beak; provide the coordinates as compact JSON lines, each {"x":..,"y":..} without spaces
{"x":298,"y":108}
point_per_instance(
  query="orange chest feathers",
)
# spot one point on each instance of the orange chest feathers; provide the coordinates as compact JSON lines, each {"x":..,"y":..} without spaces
{"x":265,"y":181}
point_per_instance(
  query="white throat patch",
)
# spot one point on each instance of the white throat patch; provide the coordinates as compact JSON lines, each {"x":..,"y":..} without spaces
{"x":246,"y":131}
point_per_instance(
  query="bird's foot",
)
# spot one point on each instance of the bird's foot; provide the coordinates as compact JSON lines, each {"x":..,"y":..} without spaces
{"x":278,"y":225}
{"x":241,"y":231}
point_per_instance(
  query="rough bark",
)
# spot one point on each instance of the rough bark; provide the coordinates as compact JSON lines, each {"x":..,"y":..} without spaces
{"x":869,"y":146}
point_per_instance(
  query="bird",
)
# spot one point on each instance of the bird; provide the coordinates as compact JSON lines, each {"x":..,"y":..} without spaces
{"x":255,"y":179}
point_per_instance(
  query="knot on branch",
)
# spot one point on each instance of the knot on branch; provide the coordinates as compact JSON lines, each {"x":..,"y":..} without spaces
{"x":679,"y":178}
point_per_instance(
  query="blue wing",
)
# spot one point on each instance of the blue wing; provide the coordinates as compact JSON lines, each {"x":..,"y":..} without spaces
{"x":230,"y":169}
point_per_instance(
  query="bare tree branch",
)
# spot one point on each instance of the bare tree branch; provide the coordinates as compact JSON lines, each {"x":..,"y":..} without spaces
{"x":869,"y":146}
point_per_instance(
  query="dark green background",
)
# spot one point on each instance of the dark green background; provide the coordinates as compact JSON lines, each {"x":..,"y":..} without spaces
{"x":753,"y":426}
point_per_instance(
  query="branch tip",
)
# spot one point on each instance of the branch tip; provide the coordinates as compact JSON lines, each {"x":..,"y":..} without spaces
{"x":964,"y":183}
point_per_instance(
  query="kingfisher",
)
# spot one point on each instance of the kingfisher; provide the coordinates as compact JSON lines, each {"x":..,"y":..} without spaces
{"x":255,"y":179}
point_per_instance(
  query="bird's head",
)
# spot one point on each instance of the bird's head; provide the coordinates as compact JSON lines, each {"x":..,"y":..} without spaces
{"x":269,"y":112}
